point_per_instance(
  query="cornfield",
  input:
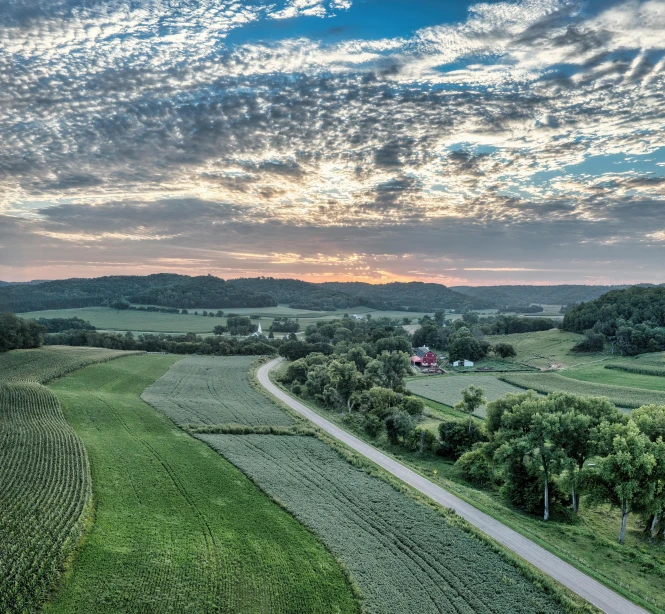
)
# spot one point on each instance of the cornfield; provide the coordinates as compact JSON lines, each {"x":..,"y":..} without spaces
{"x":51,"y":362}
{"x":404,"y":556}
{"x":621,"y":396}
{"x":213,"y":390}
{"x":44,"y":493}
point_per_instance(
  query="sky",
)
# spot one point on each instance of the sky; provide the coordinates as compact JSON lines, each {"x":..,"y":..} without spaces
{"x":462,"y":143}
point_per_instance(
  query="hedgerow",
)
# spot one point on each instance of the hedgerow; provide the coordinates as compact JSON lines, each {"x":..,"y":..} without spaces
{"x":44,"y":494}
{"x":213,"y":390}
{"x":404,"y":556}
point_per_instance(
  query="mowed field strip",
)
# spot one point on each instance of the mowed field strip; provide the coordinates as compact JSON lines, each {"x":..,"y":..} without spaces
{"x":578,"y":582}
{"x":446,"y":389}
{"x":213,"y":390}
{"x":178,"y":528}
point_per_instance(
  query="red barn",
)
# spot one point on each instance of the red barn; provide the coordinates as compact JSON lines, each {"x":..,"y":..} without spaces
{"x":424,"y":357}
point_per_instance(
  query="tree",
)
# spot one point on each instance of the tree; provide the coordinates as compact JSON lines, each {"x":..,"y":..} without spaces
{"x":395,"y":365}
{"x":504,"y":350}
{"x":623,"y":476}
{"x":219,"y":330}
{"x":346,"y":379}
{"x":439,"y":317}
{"x":399,"y":424}
{"x":473,"y":397}
{"x":17,"y":333}
{"x":574,"y":438}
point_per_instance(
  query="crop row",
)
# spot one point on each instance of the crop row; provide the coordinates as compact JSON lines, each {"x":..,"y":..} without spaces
{"x":213,"y":390}
{"x":637,"y":369}
{"x":50,"y":362}
{"x":44,"y":491}
{"x":621,"y":396}
{"x":404,"y":556}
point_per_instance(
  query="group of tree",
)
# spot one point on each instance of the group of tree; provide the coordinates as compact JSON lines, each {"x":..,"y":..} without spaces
{"x":368,"y":386}
{"x":631,"y":320}
{"x":284,"y":325}
{"x":17,"y":333}
{"x":58,"y":325}
{"x":175,"y":344}
{"x":548,"y":452}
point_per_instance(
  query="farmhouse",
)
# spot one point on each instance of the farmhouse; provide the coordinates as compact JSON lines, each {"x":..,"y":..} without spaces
{"x":424,"y":357}
{"x":463,"y":363}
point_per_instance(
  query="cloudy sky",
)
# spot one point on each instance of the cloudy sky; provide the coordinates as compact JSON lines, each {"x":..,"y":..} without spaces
{"x":375,"y":140}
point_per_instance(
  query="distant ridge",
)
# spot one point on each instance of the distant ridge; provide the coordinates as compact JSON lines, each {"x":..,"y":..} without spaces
{"x":207,"y":291}
{"x":565,"y":294}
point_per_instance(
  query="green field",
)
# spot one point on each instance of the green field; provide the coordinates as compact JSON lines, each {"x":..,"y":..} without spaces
{"x":621,"y":396}
{"x":546,"y":348}
{"x":600,"y":374}
{"x":50,"y":362}
{"x":44,"y":494}
{"x":136,"y":321}
{"x":404,"y":555}
{"x":177,"y":528}
{"x":446,"y":389}
{"x":213,"y":390}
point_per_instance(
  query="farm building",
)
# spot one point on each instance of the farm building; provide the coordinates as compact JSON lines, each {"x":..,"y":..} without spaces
{"x":424,"y":357}
{"x":463,"y":363}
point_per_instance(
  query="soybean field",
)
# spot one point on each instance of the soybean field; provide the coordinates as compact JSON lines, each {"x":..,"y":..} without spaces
{"x":446,"y":389}
{"x":213,"y":390}
{"x":177,"y":527}
{"x":405,"y":556}
{"x":47,"y":363}
{"x":44,"y":494}
{"x":621,"y":396}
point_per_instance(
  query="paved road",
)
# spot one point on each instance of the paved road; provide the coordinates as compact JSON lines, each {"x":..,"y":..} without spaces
{"x":578,"y":582}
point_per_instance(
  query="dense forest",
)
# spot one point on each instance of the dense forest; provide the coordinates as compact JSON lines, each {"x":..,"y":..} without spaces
{"x":297,"y":294}
{"x":633,"y":320}
{"x":542,"y":295}
{"x":165,"y":289}
{"x":410,"y":296}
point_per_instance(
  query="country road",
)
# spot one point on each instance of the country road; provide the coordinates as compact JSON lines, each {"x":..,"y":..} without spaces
{"x":578,"y":582}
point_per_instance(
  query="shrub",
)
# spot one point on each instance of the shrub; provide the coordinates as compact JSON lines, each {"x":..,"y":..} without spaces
{"x":474,"y":467}
{"x":457,"y":437}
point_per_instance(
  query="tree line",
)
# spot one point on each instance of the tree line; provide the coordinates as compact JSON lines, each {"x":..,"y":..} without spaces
{"x":19,"y":334}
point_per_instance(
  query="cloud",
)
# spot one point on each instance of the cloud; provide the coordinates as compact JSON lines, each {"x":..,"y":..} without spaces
{"x":120,"y":124}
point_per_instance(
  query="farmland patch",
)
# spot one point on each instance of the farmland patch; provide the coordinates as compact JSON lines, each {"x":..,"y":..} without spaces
{"x":213,"y":390}
{"x":622,"y":396}
{"x":404,"y":555}
{"x":447,"y":389}
{"x":44,"y":492}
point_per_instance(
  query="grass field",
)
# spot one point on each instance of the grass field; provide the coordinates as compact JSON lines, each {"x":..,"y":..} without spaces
{"x":44,"y":494}
{"x":446,"y":389}
{"x":404,"y":555}
{"x":621,"y":396}
{"x":105,"y":318}
{"x":177,"y":528}
{"x":213,"y":390}
{"x":600,"y":374}
{"x":546,"y":348}
{"x":50,"y":362}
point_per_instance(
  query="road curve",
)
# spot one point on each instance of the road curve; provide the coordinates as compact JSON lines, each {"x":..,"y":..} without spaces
{"x":578,"y":582}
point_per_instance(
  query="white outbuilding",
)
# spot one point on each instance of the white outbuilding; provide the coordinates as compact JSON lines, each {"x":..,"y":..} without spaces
{"x":463,"y":363}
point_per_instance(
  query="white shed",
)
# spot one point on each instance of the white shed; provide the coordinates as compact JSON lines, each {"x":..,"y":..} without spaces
{"x":463,"y":363}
